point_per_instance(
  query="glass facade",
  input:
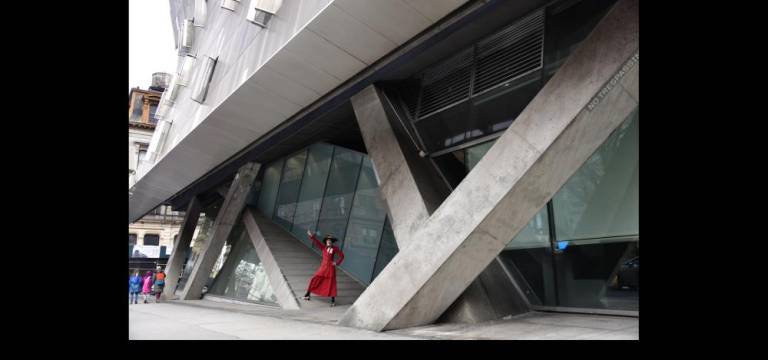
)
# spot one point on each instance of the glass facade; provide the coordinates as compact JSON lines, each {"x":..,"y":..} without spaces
{"x":591,"y":258}
{"x":242,"y":275}
{"x":361,"y":241}
{"x":337,"y":202}
{"x":332,"y":190}
{"x":268,"y":191}
{"x":313,"y":183}
{"x":288,"y":193}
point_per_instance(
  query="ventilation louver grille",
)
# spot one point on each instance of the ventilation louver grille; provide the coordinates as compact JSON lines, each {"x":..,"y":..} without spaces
{"x":511,"y":53}
{"x":446,"y":83}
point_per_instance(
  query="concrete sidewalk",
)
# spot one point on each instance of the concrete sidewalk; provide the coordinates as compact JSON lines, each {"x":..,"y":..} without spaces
{"x":174,"y":321}
{"x":535,"y":326}
{"x":202,"y":319}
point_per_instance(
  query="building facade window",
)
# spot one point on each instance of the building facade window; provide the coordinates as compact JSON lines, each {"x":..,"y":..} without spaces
{"x":152,"y":111}
{"x":132,"y":239}
{"x":152,"y":239}
{"x":136,"y":107}
{"x":590,"y":259}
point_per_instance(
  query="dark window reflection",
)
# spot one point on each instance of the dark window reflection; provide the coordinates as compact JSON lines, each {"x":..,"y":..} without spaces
{"x":289,"y":189}
{"x":339,"y":192}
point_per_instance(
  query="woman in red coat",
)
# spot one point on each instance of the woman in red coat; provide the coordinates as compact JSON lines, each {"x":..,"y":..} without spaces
{"x":323,"y":283}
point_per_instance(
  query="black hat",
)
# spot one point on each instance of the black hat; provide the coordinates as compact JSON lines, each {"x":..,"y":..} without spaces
{"x":329,"y":237}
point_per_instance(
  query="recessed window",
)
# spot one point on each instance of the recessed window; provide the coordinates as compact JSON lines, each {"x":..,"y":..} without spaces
{"x":151,"y":239}
{"x":136,"y":108}
{"x":230,"y":4}
{"x":201,"y":9}
{"x":200,"y":91}
{"x":186,"y":70}
{"x":152,"y":111}
{"x":262,"y":11}
{"x":187,"y":36}
{"x":131,"y":239}
{"x":172,"y":91}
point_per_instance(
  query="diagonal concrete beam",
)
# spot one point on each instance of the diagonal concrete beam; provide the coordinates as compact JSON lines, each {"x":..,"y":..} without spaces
{"x":404,"y":188}
{"x":228,"y":215}
{"x":173,"y":269}
{"x":277,"y":279}
{"x":591,"y":95}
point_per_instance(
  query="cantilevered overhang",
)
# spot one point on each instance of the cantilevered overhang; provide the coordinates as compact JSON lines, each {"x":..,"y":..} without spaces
{"x":344,"y":38}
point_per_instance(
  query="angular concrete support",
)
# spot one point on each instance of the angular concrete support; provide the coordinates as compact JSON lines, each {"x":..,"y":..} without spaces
{"x":557,"y":132}
{"x":488,"y":297}
{"x":277,"y":280}
{"x":176,"y":261}
{"x":403,"y":187}
{"x":222,"y":227}
{"x":406,"y":189}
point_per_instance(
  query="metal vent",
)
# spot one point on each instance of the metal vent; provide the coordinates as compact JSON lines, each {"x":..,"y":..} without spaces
{"x":445,"y":84}
{"x":201,"y":10}
{"x":230,"y":4}
{"x":187,"y":37}
{"x":513,"y":52}
{"x":200,"y":91}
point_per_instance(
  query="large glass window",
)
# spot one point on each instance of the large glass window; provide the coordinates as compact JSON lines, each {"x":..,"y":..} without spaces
{"x":243,"y":276}
{"x":387,"y":249}
{"x":269,"y":186}
{"x":151,"y":239}
{"x":596,"y":217}
{"x":152,"y":111}
{"x":361,"y":242}
{"x":312,"y":189}
{"x":137,"y":107}
{"x":595,"y":261}
{"x":287,"y":195}
{"x":238,"y":232}
{"x":340,"y":190}
{"x":601,"y":198}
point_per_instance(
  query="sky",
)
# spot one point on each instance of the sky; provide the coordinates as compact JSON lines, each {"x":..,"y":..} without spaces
{"x":150,"y":41}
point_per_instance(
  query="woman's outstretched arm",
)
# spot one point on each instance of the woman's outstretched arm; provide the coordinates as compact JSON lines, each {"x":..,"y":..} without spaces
{"x":314,"y":240}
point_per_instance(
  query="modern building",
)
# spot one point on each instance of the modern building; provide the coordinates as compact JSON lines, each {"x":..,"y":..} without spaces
{"x":476,"y":158}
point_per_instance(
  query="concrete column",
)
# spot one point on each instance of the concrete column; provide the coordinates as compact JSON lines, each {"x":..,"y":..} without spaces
{"x":176,"y":261}
{"x":590,"y":96}
{"x":405,"y":189}
{"x":277,"y":280}
{"x":222,"y":227}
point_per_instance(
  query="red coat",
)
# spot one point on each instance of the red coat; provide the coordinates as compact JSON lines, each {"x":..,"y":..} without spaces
{"x":323,"y":283}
